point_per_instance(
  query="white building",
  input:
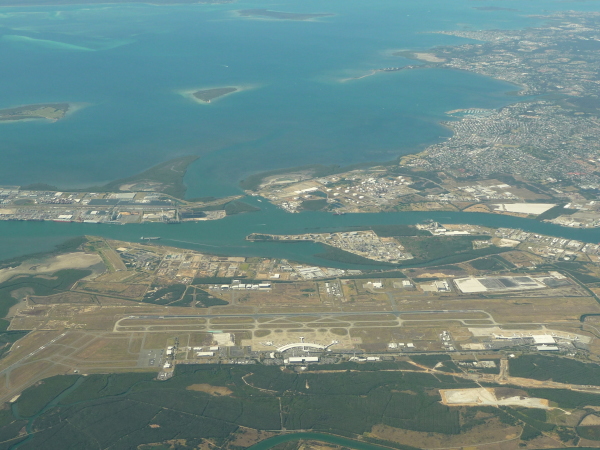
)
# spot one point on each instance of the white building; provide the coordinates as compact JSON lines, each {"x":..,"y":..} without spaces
{"x":301,"y":359}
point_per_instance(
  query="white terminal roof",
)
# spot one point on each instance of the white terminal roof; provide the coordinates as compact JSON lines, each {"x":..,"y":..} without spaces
{"x":543,"y":339}
{"x":300,"y":344}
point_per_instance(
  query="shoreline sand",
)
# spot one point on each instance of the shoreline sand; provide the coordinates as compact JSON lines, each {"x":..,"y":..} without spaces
{"x":189,"y":93}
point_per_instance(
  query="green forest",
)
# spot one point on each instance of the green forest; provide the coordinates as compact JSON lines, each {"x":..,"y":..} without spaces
{"x":126,"y":411}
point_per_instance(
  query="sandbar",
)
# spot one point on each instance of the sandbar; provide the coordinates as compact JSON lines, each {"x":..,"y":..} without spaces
{"x":266,"y":13}
{"x":383,"y":70}
{"x":493,"y":8}
{"x":48,"y":265}
{"x":421,"y":56}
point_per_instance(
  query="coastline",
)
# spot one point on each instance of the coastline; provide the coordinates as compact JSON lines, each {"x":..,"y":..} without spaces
{"x":369,"y":74}
{"x":72,"y":108}
{"x":442,"y":122}
{"x":428,"y":57}
{"x":385,"y":70}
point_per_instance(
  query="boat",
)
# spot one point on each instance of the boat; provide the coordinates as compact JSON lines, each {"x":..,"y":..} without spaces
{"x":149,"y":238}
{"x":337,"y":213}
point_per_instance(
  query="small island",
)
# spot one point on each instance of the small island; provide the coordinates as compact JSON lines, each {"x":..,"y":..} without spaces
{"x":383,"y":70}
{"x":206,"y":95}
{"x":278,"y":15}
{"x":493,"y":8}
{"x":49,"y":111}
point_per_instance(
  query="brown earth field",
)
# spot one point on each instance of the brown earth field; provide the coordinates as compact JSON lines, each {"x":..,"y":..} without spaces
{"x":120,"y":289}
{"x":492,"y":431}
{"x":507,"y":310}
{"x":588,"y":443}
{"x":479,"y":207}
{"x":64,"y":297}
{"x":245,"y":437}
{"x":282,"y":294}
{"x":445,"y":316}
{"x":107,"y":348}
{"x":208,"y":389}
{"x":162,"y":322}
{"x":230,"y":320}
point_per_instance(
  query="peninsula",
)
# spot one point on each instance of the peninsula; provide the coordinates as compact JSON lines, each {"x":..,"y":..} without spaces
{"x":535,"y":158}
{"x":155,"y":195}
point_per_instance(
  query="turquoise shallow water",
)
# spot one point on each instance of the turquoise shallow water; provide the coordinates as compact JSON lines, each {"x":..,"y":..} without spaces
{"x":129,"y":63}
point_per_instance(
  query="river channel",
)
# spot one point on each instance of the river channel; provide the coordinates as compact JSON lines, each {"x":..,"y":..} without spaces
{"x":227,"y":236}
